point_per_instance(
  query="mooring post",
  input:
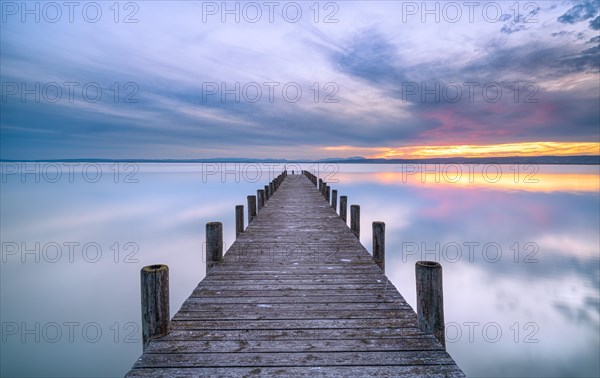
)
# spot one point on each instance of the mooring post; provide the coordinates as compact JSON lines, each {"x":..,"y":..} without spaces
{"x":271,"y":189}
{"x":155,"y":302}
{"x":214,"y":244}
{"x":267,"y":193}
{"x":334,"y":199}
{"x":344,"y":208}
{"x":261,"y":198}
{"x":379,"y":244}
{"x":251,"y":208}
{"x":321,"y":185}
{"x":239,"y":220}
{"x":430,"y":299}
{"x":328,"y":194}
{"x":355,"y":220}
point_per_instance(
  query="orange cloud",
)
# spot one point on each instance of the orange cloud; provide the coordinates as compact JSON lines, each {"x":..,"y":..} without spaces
{"x":473,"y":150}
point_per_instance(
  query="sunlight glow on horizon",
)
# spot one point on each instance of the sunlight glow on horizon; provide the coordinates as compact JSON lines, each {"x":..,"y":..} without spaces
{"x":475,"y":151}
{"x":507,"y":178}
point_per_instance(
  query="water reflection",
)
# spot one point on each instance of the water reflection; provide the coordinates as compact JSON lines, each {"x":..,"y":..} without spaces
{"x":521,"y":259}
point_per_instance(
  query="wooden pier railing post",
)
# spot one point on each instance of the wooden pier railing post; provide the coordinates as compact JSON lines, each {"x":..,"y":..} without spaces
{"x":261,"y":198}
{"x":321,"y":185}
{"x":334,"y":199}
{"x":379,"y":244}
{"x":239,"y":220}
{"x":328,"y":194}
{"x":344,"y":208}
{"x":155,"y":302}
{"x":430,"y":299}
{"x":251,"y":208}
{"x":214,"y":244}
{"x":267,"y":193}
{"x":355,"y":220}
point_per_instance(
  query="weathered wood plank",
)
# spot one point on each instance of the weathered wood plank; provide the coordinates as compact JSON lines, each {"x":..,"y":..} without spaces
{"x":407,"y":320}
{"x":430,"y":371}
{"x":242,"y":300}
{"x":246,"y":345}
{"x":294,"y":334}
{"x":389,"y":358}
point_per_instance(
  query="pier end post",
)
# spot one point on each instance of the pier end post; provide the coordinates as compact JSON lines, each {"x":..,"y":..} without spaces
{"x":155,"y":302}
{"x":334,"y":199}
{"x":344,"y":208}
{"x":261,"y":198}
{"x":379,"y":244}
{"x":251,"y":208}
{"x":430,"y":299}
{"x":214,"y":244}
{"x":239,"y":220}
{"x":355,"y":220}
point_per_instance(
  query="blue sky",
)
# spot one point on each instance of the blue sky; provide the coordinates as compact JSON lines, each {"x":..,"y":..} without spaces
{"x":182,"y":79}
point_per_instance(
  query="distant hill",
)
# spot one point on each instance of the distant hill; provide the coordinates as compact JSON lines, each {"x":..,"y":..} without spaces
{"x":581,"y":160}
{"x":572,"y":160}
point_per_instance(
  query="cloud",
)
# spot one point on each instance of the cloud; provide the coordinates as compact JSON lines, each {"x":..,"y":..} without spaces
{"x":580,"y":12}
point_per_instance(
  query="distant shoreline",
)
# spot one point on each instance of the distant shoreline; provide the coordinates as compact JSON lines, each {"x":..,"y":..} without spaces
{"x":542,"y":160}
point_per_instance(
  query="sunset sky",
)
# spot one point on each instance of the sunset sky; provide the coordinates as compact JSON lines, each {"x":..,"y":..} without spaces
{"x":298,"y":80}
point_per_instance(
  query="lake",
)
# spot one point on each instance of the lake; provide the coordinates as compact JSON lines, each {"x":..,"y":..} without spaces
{"x":519,"y":245}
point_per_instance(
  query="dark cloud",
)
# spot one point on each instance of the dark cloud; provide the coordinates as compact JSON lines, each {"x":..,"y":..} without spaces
{"x":595,"y":39}
{"x":370,"y":56}
{"x":580,"y":12}
{"x":586,"y":60}
{"x":519,"y":22}
{"x":562,"y":33}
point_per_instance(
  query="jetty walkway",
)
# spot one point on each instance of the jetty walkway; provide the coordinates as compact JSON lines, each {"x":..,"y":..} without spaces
{"x":296,"y":294}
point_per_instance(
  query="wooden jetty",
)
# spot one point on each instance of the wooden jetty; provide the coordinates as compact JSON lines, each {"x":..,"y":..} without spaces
{"x":295,"y":295}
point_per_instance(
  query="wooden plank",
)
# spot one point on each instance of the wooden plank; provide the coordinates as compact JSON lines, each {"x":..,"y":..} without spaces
{"x":247,"y":299}
{"x":294,"y":334}
{"x":193,"y":304}
{"x":389,"y":358}
{"x":244,"y":345}
{"x":429,"y":371}
{"x":407,"y":320}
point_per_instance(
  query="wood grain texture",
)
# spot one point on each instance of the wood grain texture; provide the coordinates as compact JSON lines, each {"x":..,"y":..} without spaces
{"x":296,"y":295}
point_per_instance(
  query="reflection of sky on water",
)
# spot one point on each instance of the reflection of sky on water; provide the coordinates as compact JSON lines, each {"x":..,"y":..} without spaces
{"x":554,"y":301}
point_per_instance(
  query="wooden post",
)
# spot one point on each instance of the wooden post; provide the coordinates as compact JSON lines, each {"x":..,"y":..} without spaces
{"x":321,"y":185}
{"x":239,"y":220}
{"x":328,"y":194}
{"x":261,"y":198}
{"x":355,"y":220}
{"x":334,"y":199}
{"x":251,"y":208}
{"x":344,"y":208}
{"x":267,"y":193}
{"x":379,"y":244}
{"x":214,"y":244}
{"x":271,"y":188}
{"x":430,"y":299}
{"x":155,"y":302}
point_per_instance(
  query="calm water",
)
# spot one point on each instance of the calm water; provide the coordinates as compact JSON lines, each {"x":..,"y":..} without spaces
{"x":519,"y":246}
